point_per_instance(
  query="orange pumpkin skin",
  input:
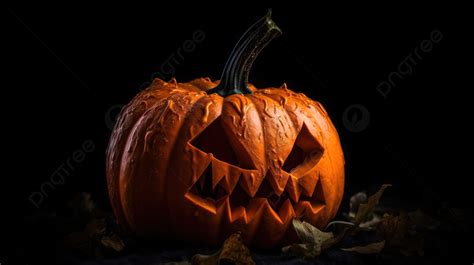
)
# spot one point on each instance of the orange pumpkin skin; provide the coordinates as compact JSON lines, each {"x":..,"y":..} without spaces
{"x":193,"y":166}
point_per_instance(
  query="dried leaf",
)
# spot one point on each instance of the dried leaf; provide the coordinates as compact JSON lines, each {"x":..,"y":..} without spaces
{"x":95,"y":228}
{"x":399,"y":235}
{"x":313,"y":240}
{"x":302,"y":250}
{"x":309,"y":234}
{"x":113,"y":241}
{"x":338,"y":238}
{"x":371,"y":223}
{"x":233,"y":251}
{"x":200,"y":259}
{"x":366,"y":208}
{"x":355,"y":201}
{"x":94,"y":239}
{"x":372,"y":248}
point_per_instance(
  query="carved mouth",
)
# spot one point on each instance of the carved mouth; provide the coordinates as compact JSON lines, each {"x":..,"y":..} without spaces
{"x":204,"y":195}
{"x":226,"y":186}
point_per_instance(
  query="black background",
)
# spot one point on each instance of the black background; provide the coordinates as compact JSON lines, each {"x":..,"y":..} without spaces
{"x":70,"y":67}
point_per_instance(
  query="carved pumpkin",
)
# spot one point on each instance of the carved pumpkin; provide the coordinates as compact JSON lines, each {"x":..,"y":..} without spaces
{"x":197,"y":161}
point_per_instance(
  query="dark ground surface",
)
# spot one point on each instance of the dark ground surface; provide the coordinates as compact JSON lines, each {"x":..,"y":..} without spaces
{"x":447,"y":242}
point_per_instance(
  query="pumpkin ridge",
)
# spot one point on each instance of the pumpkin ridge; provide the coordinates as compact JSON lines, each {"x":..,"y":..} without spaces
{"x":152,"y":117}
{"x":277,"y":178}
{"x":265,"y":160}
{"x":115,"y":175}
{"x":187,"y":119}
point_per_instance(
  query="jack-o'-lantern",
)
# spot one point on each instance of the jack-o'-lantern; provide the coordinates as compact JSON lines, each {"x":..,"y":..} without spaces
{"x":198,"y":161}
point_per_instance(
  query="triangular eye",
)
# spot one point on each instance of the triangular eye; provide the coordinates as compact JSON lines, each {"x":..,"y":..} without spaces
{"x":214,"y":140}
{"x":306,"y":152}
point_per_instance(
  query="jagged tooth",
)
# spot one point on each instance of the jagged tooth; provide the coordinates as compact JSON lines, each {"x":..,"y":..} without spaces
{"x":270,"y":214}
{"x":316,"y":208}
{"x":239,"y":214}
{"x":225,"y":175}
{"x":258,"y":208}
{"x":308,"y":183}
{"x":250,"y":181}
{"x":232,"y":178}
{"x":254,"y":216}
{"x":278,"y":180}
{"x":206,"y":204}
{"x":293,"y":188}
{"x":271,"y":227}
{"x":254,"y":208}
{"x":286,"y":212}
{"x":309,"y":210}
{"x":301,"y":207}
{"x":218,"y":172}
{"x":201,"y":161}
{"x":223,"y":212}
{"x":223,"y":206}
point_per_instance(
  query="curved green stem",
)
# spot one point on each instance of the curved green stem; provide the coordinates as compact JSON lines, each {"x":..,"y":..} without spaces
{"x":234,"y":79}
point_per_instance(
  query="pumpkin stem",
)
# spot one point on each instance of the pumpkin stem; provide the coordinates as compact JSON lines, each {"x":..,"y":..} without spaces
{"x":235,"y":76}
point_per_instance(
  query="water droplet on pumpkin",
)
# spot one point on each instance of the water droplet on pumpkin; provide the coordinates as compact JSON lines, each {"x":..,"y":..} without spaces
{"x":246,"y":134}
{"x":265,"y":108}
{"x":206,"y":112}
{"x":280,"y":121}
{"x":242,"y":122}
{"x":275,"y":162}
